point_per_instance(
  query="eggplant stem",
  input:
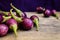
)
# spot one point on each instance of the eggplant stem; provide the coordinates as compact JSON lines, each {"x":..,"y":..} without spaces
{"x":56,"y":16}
{"x":5,"y":13}
{"x":18,"y":19}
{"x":36,"y":21}
{"x":12,"y":14}
{"x":6,"y":18}
{"x":17,"y":10}
{"x":14,"y":28}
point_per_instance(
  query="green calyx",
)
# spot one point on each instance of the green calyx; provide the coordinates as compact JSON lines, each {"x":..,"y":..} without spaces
{"x":5,"y":18}
{"x":36,"y":21}
{"x":17,"y":10}
{"x":18,"y":19}
{"x":14,"y":28}
{"x":56,"y":16}
{"x":5,"y":13}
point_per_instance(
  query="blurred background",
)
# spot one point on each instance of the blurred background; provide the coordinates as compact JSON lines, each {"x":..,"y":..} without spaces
{"x":30,"y":5}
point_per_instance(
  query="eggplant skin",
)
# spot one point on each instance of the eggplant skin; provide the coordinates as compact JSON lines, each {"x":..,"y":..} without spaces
{"x":11,"y":22}
{"x":3,"y":30}
{"x":53,"y":12}
{"x":26,"y":24}
{"x":47,"y":13}
{"x":1,"y":18}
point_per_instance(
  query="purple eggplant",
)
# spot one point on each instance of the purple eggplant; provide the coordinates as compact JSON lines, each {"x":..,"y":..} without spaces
{"x":12,"y":25}
{"x":35,"y":20}
{"x":19,"y":12}
{"x":54,"y":14}
{"x":26,"y":24}
{"x":1,"y":18}
{"x":3,"y":29}
{"x":40,"y":9}
{"x":47,"y":13}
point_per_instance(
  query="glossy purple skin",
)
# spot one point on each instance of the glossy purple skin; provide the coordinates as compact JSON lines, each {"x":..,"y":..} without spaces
{"x":11,"y":22}
{"x":3,"y":29}
{"x":53,"y":12}
{"x":1,"y":18}
{"x":47,"y":13}
{"x":33,"y":17}
{"x":26,"y":24}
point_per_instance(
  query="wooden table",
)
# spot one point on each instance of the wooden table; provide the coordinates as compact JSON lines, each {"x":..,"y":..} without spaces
{"x":49,"y":30}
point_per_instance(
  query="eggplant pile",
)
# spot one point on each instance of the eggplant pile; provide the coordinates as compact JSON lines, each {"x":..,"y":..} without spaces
{"x":11,"y":22}
{"x":47,"y":12}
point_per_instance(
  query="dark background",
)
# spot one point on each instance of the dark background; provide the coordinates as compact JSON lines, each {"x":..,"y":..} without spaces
{"x":30,"y":5}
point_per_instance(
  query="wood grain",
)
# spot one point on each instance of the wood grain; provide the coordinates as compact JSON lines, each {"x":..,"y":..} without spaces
{"x":49,"y":29}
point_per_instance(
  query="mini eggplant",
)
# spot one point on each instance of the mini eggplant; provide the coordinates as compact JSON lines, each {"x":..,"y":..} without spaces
{"x":26,"y":24}
{"x":54,"y":14}
{"x":19,"y":12}
{"x":47,"y":13}
{"x":40,"y":9}
{"x":12,"y":25}
{"x":35,"y":20}
{"x":3,"y":29}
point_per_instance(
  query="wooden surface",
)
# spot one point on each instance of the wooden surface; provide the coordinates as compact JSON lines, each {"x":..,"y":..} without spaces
{"x":49,"y":30}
